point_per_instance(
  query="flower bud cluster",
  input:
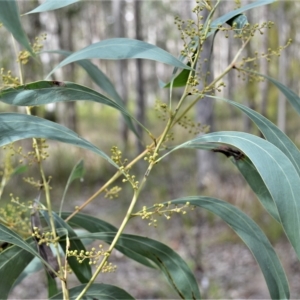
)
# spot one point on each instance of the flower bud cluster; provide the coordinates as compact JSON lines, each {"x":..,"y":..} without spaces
{"x":9,"y":80}
{"x":23,"y":57}
{"x":117,"y":158}
{"x":267,"y":56}
{"x":44,"y":237}
{"x":41,"y":146}
{"x":36,"y":182}
{"x":113,"y":192}
{"x":37,"y":46}
{"x":151,"y":157}
{"x":192,"y":126}
{"x":161,"y":110}
{"x":31,"y":156}
{"x":16,"y":216}
{"x":161,"y":209}
{"x":93,"y":256}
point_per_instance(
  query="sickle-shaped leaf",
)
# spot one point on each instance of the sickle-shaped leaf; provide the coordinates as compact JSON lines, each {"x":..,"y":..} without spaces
{"x":271,"y":132}
{"x":95,"y":73}
{"x":92,"y":224}
{"x":51,"y":5}
{"x":179,"y":81}
{"x":9,"y":236}
{"x":99,"y":291}
{"x":292,"y":97}
{"x":274,"y":135}
{"x":12,"y":263}
{"x":102,"y":81}
{"x":15,"y":127}
{"x":252,"y":236}
{"x":258,"y":186}
{"x":168,"y":261}
{"x":225,"y":18}
{"x":239,"y":22}
{"x":275,"y":169}
{"x":52,"y":286}
{"x":44,"y":92}
{"x":122,"y":48}
{"x":34,"y":266}
{"x":82,"y":270}
{"x":10,"y":17}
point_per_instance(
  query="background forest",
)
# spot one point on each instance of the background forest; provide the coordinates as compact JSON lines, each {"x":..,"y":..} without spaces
{"x":137,"y":82}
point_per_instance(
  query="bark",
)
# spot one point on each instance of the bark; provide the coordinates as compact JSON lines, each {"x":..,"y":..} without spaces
{"x":282,"y":35}
{"x":206,"y":160}
{"x":140,"y":82}
{"x":65,"y":20}
{"x":263,"y":88}
{"x":121,"y":65}
{"x":250,"y":87}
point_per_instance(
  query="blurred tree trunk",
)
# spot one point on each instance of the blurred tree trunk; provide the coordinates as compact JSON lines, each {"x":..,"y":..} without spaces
{"x":34,"y":28}
{"x":206,"y":160}
{"x":264,"y":86}
{"x":140,"y":82}
{"x":282,"y":37}
{"x":34,"y":70}
{"x":250,"y":87}
{"x":66,"y":112}
{"x":121,"y":65}
{"x":229,"y":48}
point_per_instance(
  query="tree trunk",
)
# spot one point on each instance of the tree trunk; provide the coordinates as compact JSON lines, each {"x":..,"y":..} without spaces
{"x":67,"y":111}
{"x":140,"y":82}
{"x":121,"y":65}
{"x":263,"y":87}
{"x":206,"y":160}
{"x":282,"y":34}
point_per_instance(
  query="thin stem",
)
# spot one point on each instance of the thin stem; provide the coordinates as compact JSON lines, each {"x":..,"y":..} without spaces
{"x":197,"y":54}
{"x":128,"y":214}
{"x":170,"y":124}
{"x":184,"y":95}
{"x":46,"y":187}
{"x":113,"y":179}
{"x":229,"y":67}
{"x":19,"y":64}
{"x":159,"y":139}
{"x":112,"y":245}
{"x":3,"y":183}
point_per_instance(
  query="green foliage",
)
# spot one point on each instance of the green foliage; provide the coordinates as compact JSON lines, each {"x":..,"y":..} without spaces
{"x":97,"y":291}
{"x":67,"y":234}
{"x":270,"y":166}
{"x":15,"y":127}
{"x":51,"y":5}
{"x":252,"y":236}
{"x":10,"y":17}
{"x":13,"y":256}
{"x":103,"y":82}
{"x":122,"y":48}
